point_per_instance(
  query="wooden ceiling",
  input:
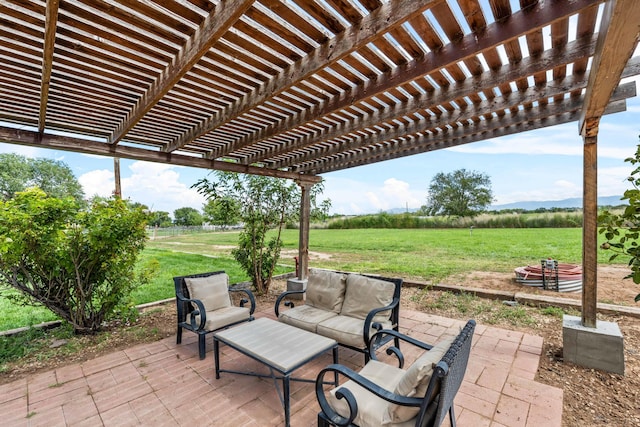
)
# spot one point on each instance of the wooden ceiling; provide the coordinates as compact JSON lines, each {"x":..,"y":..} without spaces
{"x":297,"y":88}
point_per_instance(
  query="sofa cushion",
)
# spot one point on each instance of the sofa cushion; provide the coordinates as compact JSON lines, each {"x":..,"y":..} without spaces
{"x":347,"y":330}
{"x":212,"y":291}
{"x":371,"y":408}
{"x":325,"y":290}
{"x":363,"y":294}
{"x":416,"y":379}
{"x":305,"y":317}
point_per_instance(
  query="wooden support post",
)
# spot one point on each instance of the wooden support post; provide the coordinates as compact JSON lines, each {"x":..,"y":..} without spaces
{"x":590,"y":231}
{"x":303,"y":243}
{"x":116,"y":174}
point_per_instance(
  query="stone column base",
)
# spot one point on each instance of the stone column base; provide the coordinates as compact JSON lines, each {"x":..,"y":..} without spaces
{"x":297,"y":285}
{"x":601,"y":347}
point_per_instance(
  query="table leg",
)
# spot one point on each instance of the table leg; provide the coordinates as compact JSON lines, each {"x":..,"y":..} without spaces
{"x":216,"y":356}
{"x":287,"y":405}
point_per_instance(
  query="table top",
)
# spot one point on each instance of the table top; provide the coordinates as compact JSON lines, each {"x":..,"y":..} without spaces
{"x":281,"y":346}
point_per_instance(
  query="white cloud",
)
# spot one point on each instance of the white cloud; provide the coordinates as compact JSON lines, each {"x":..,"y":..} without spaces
{"x":100,"y":182}
{"x":613,"y":181}
{"x":155,"y":185}
{"x":349,"y":196}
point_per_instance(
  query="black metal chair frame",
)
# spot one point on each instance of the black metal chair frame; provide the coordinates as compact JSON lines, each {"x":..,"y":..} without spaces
{"x":394,"y":316}
{"x":433,"y":407}
{"x":187,"y":312}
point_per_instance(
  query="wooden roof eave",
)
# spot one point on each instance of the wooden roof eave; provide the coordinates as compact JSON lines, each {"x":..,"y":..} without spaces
{"x":34,"y":139}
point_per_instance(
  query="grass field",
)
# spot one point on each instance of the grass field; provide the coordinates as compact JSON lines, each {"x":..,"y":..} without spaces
{"x":430,"y":255}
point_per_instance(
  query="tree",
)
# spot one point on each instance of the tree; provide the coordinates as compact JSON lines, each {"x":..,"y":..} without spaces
{"x":187,"y":217}
{"x":459,"y":193}
{"x":17,"y":173}
{"x":265,"y":203}
{"x":623,"y":230}
{"x":79,"y":263}
{"x":223,"y":211}
{"x":160,"y":219}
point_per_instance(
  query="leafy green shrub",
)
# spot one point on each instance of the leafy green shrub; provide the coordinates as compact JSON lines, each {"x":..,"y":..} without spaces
{"x":79,"y":263}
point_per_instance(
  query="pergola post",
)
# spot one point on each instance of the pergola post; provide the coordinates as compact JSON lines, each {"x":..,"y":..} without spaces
{"x":587,"y":341}
{"x":303,"y":242}
{"x":116,"y":175}
{"x":300,"y":283}
{"x":590,"y":231}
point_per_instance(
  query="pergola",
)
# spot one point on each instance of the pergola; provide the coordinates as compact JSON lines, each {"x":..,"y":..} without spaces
{"x":297,"y":88}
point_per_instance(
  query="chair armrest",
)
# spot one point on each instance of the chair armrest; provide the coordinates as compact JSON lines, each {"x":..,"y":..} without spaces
{"x":287,"y":303}
{"x":368,"y":321}
{"x":199,"y":311}
{"x":344,"y":393}
{"x":243,"y":301}
{"x":378,"y":336}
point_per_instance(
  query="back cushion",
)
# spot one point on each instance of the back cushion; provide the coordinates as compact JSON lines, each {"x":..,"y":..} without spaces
{"x":325,"y":290}
{"x":212,"y":290}
{"x":416,"y":380}
{"x":364,"y":294}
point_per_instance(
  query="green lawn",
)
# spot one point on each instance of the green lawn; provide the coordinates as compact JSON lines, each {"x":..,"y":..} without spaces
{"x":427,"y":254}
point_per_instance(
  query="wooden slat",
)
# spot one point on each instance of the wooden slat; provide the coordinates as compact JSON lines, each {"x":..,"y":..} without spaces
{"x":430,"y":60}
{"x":431,"y":124}
{"x":211,"y":29}
{"x":51,"y":21}
{"x":394,"y":14}
{"x":425,"y":143}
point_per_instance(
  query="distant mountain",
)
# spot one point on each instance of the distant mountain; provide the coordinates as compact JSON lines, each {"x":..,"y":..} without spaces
{"x":575,"y":202}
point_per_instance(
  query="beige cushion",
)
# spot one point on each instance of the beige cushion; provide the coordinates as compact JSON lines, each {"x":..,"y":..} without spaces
{"x":305,"y":317}
{"x":363,"y":294}
{"x":416,"y":381}
{"x":371,"y":408}
{"x":213,"y":291}
{"x":347,"y":330}
{"x":224,"y":316}
{"x":325,"y":290}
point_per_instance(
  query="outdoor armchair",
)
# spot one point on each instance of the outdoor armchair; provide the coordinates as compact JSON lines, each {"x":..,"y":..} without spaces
{"x":381,"y":394}
{"x":204,"y":305}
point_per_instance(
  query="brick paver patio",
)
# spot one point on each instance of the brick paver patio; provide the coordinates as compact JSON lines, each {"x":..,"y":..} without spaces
{"x":163,"y":384}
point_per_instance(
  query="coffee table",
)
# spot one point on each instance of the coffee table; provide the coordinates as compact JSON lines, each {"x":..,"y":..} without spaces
{"x":281,"y":347}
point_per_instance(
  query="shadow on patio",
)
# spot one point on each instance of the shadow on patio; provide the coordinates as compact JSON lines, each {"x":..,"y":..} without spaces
{"x":162,"y":384}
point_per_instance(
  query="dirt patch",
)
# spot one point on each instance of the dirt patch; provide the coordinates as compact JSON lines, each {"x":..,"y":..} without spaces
{"x":612,"y":287}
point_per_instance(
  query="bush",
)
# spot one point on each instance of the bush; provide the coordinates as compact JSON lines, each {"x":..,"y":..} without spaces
{"x":78,"y":263}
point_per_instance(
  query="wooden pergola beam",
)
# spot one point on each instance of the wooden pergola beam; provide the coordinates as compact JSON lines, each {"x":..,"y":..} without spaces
{"x":50,"y":24}
{"x":215,"y":25}
{"x":469,"y":46}
{"x":382,"y":20}
{"x":80,"y":145}
{"x":354,"y":139}
{"x":522,"y":121}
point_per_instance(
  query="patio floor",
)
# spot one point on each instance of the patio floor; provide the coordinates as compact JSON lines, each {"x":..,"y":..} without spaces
{"x":163,"y":384}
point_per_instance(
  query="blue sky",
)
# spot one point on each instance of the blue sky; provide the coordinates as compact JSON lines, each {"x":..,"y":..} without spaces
{"x":544,"y":164}
{"x":540,"y":165}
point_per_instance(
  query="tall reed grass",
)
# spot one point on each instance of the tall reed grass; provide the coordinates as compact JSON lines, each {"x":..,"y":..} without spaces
{"x":509,"y":220}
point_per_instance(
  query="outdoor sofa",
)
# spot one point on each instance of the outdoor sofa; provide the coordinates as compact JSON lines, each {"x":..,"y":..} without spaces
{"x":347,"y":307}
